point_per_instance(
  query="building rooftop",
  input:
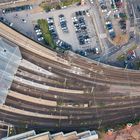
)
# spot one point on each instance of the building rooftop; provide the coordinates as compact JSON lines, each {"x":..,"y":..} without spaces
{"x":3,"y":129}
{"x":132,"y":133}
{"x":10,"y":57}
{"x":31,"y":135}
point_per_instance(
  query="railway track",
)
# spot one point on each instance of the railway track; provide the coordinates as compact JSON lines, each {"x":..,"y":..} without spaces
{"x":69,"y":92}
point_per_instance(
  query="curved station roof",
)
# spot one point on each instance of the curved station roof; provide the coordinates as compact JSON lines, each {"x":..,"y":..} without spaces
{"x":9,"y":60}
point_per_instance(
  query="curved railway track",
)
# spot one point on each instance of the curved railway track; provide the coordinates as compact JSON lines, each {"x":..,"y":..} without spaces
{"x":72,"y":92}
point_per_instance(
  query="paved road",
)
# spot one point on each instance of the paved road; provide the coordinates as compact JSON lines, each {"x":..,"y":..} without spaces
{"x":105,"y":44}
{"x":121,"y":51}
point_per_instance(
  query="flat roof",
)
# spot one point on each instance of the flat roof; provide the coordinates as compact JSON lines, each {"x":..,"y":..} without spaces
{"x":10,"y":58}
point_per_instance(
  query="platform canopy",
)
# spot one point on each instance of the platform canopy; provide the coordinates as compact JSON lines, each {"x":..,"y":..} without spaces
{"x":10,"y":58}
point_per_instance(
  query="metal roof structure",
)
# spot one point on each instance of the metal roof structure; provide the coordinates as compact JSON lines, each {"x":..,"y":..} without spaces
{"x":22,"y":136}
{"x":10,"y":57}
{"x":74,"y":135}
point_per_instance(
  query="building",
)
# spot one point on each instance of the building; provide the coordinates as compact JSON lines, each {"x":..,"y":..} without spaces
{"x":10,"y":58}
{"x":31,"y":135}
{"x":128,"y":133}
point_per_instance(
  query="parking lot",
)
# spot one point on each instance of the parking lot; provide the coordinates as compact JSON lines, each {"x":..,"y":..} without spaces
{"x":71,"y":36}
{"x":16,"y":9}
{"x":29,"y":21}
{"x":136,"y":7}
{"x":115,"y":18}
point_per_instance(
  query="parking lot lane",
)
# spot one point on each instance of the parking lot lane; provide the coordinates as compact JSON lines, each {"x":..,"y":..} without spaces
{"x":69,"y":37}
{"x":92,"y":33}
{"x":21,"y":22}
{"x":27,"y":28}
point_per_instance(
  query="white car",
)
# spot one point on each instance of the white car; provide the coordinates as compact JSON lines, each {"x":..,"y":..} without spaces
{"x":97,"y":50}
{"x":91,"y":1}
{"x":60,"y":44}
{"x":40,"y":38}
{"x":39,"y":33}
{"x":53,"y":9}
{"x":51,"y":27}
{"x":11,"y":24}
{"x":111,"y":30}
{"x":62,"y":19}
{"x":38,"y":30}
{"x":108,"y":22}
{"x":64,"y":7}
{"x":57,"y":42}
{"x":87,"y":13}
{"x":3,"y":11}
{"x":74,"y":19}
{"x":50,"y":20}
{"x":104,"y":10}
{"x":108,"y":14}
{"x":87,"y":40}
{"x":31,"y":7}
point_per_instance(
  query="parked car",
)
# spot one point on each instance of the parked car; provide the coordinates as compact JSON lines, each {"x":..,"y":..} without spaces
{"x":63,"y":23}
{"x":39,"y":33}
{"x":6,"y":21}
{"x":40,"y":37}
{"x":91,"y":1}
{"x":24,"y":20}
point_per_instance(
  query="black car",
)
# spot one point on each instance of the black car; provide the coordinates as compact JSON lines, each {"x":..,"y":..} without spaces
{"x":82,"y":21}
{"x":1,"y":19}
{"x":61,"y":16}
{"x":84,"y":12}
{"x":83,"y":53}
{"x":77,"y":13}
{"x":36,"y":27}
{"x":65,"y":46}
{"x":112,"y":35}
{"x":81,"y":40}
{"x":83,"y":27}
{"x":80,"y":13}
{"x":54,"y":36}
{"x":50,"y":24}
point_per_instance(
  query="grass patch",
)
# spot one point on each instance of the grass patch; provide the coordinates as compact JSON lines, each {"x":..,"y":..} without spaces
{"x":60,"y":103}
{"x":123,"y":16}
{"x":101,"y":105}
{"x":121,"y":57}
{"x":46,"y":33}
{"x":47,"y":7}
{"x":133,"y":48}
{"x":69,"y":2}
